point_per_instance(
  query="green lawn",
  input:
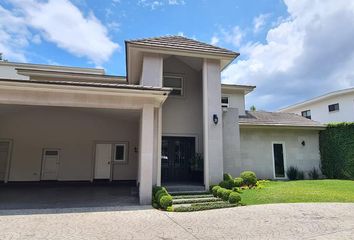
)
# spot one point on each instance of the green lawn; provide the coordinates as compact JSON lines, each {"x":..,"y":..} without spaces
{"x":301,"y":191}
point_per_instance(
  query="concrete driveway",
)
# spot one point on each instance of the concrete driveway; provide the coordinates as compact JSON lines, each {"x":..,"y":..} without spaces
{"x":280,"y":221}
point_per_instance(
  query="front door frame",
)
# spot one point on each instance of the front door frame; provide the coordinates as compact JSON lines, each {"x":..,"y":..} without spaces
{"x":43,"y":157}
{"x":112,"y":163}
{"x":196,"y":147}
{"x":9,"y":157}
{"x":284,"y":159}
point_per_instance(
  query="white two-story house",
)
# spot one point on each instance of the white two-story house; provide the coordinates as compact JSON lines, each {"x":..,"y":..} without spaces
{"x":170,"y":120}
{"x":332,"y":107}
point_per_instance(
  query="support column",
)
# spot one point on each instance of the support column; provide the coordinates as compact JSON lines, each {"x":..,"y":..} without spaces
{"x":159,"y":145}
{"x":231,"y":142}
{"x":146,"y":153}
{"x":213,"y":150}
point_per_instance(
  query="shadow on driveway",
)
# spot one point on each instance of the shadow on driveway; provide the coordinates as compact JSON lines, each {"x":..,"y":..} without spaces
{"x":68,"y":197}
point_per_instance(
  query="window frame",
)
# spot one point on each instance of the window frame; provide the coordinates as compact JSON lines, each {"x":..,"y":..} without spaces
{"x":306,"y":115}
{"x":335,"y":110}
{"x":125,"y":153}
{"x":176,"y":76}
{"x":225,"y":105}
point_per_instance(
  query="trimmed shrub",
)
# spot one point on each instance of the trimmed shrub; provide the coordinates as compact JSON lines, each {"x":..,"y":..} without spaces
{"x":225,"y":194}
{"x":234,"y":197}
{"x":292,"y":173}
{"x":155,"y":189}
{"x":314,"y":174}
{"x":166,"y":201}
{"x":215,"y":190}
{"x":224,"y":184}
{"x":211,"y":187}
{"x":236,"y":189}
{"x":337,"y":151}
{"x":249,"y":178}
{"x":238,"y":182}
{"x":220,"y":192}
{"x":227,"y":177}
{"x":159,"y":194}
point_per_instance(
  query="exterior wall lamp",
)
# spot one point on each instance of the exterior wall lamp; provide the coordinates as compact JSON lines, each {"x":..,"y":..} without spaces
{"x":215,"y":119}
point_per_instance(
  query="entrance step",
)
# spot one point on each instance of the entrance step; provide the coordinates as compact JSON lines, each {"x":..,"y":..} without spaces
{"x":185,"y":188}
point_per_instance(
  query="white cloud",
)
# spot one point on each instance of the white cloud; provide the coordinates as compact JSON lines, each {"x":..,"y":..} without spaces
{"x":259,"y":22}
{"x":62,"y":23}
{"x":154,"y":4}
{"x":233,"y":36}
{"x":14,"y":36}
{"x":214,"y":40}
{"x":309,"y":53}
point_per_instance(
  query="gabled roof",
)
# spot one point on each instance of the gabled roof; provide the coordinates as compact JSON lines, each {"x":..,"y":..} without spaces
{"x":318,"y":99}
{"x":182,"y":43}
{"x":260,"y":118}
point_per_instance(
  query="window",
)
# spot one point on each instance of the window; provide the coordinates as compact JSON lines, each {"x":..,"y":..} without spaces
{"x":119,"y":152}
{"x":174,"y":82}
{"x":225,"y":102}
{"x":333,"y":107}
{"x":306,"y":114}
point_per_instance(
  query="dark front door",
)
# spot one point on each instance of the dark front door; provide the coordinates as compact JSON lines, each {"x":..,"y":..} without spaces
{"x":177,"y":154}
{"x":278,"y":160}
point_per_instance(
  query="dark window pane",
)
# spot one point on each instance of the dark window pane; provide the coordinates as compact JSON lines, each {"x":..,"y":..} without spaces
{"x":306,"y":114}
{"x":119,"y":153}
{"x":51,"y":153}
{"x":333,"y":107}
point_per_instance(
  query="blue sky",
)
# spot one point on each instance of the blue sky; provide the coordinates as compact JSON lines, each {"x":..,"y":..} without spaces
{"x":274,"y":38}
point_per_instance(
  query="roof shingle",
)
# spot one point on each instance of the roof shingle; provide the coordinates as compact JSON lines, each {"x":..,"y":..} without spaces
{"x":182,"y":43}
{"x":260,"y":118}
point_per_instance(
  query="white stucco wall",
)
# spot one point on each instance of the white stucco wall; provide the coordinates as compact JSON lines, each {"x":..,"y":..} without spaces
{"x":320,"y":113}
{"x":71,"y":130}
{"x":9,"y":72}
{"x":183,"y":115}
{"x":151,"y":73}
{"x":236,"y":100}
{"x":256,"y":150}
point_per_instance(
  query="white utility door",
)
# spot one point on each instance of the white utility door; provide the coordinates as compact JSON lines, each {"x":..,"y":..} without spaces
{"x":103,"y":158}
{"x":50,"y":164}
{"x":4,"y":156}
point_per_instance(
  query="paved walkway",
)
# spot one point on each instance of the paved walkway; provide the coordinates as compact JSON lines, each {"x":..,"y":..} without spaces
{"x":281,"y":221}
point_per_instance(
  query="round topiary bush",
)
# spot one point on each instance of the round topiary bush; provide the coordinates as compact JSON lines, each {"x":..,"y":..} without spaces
{"x":155,"y":189}
{"x":225,"y":194}
{"x":220,"y":192}
{"x":166,"y":201}
{"x":234,"y":197}
{"x":159,"y":194}
{"x":238,"y":182}
{"x":214,"y":190}
{"x":249,"y":178}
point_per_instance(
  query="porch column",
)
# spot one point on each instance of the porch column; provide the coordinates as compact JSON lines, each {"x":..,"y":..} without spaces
{"x":146,"y":153}
{"x":213,"y":150}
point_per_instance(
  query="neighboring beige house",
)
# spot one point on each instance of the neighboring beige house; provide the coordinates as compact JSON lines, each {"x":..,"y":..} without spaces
{"x":337,"y":106}
{"x":169,"y":121}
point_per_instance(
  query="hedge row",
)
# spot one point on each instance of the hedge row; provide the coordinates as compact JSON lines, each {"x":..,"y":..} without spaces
{"x":337,"y":151}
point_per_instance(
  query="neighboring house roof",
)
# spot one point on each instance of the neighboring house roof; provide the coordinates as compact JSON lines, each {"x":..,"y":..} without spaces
{"x":318,"y":99}
{"x":260,"y":118}
{"x":182,"y":43}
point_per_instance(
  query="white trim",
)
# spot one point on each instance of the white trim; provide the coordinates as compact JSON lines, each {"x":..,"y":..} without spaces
{"x":284,"y":159}
{"x":43,"y":157}
{"x":9,"y":157}
{"x":125,"y":153}
{"x":225,"y":105}
{"x":176,"y":76}
{"x":159,"y":146}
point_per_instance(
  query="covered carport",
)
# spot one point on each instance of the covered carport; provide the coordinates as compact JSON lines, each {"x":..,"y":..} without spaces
{"x":65,"y":130}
